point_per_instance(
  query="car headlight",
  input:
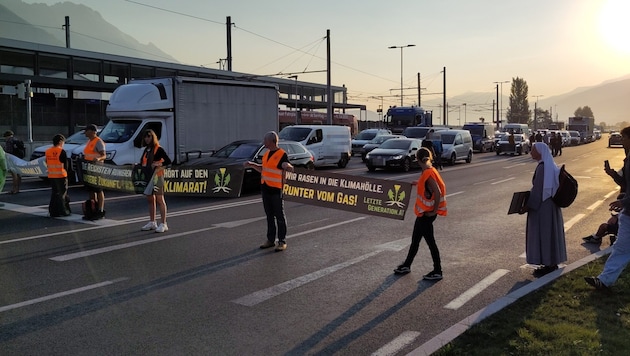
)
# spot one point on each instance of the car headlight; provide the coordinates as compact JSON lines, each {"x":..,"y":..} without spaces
{"x":109,"y":155}
{"x":397,"y":157}
{"x":367,"y":156}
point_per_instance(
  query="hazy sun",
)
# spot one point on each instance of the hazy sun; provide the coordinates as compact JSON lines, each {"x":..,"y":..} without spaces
{"x":614,"y":24}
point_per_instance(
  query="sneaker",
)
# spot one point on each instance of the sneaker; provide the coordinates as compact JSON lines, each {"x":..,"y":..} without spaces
{"x":151,"y":225}
{"x":281,"y":246}
{"x":433,"y":276}
{"x":268,"y":244}
{"x":592,"y":239}
{"x":162,"y":228}
{"x":402,"y":269}
{"x":595,"y":282}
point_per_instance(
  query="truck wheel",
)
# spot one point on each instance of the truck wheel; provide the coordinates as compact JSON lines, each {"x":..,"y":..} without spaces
{"x":343,"y":162}
{"x":469,"y":158}
{"x":452,"y":161}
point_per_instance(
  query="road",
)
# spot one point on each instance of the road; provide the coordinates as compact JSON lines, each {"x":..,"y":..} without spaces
{"x":73,"y":287}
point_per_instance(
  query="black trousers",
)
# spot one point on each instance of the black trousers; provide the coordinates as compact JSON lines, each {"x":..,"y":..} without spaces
{"x":59,"y":201}
{"x":424,"y":227}
{"x":274,"y":209}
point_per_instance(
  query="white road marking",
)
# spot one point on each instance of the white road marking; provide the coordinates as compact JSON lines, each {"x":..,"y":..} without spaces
{"x":476,"y":289}
{"x":515,"y":165}
{"x":573,"y":221}
{"x":595,"y":205}
{"x":265,"y":294}
{"x":399,"y":343}
{"x":589,"y":170}
{"x":453,"y":194}
{"x":109,"y":223}
{"x":484,"y":181}
{"x":611,"y":193}
{"x":97,"y":251}
{"x":325,"y":227}
{"x":60,"y":294}
{"x":502,"y":181}
{"x":523,"y":255}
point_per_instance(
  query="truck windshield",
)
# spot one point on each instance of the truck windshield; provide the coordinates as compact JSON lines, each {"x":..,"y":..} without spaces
{"x":294,"y":133}
{"x":117,"y":131}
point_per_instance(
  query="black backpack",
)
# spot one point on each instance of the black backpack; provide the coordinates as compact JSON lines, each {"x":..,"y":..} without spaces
{"x":18,"y":148}
{"x":567,"y":189}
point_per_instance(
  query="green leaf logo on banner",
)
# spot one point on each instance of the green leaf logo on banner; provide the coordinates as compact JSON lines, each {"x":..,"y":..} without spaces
{"x":396,"y":198}
{"x":222,"y":182}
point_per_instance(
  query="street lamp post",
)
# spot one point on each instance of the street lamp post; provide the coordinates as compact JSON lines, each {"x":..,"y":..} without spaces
{"x":465,"y":117}
{"x":501,"y":98}
{"x":401,"y":68}
{"x":536,"y":108}
{"x":296,"y":97}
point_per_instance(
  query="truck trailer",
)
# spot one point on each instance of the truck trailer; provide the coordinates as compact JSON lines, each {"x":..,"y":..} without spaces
{"x":583,"y":125}
{"x":190,"y":116}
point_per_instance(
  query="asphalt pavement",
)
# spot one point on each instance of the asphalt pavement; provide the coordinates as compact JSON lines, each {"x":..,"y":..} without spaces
{"x":74,"y":287}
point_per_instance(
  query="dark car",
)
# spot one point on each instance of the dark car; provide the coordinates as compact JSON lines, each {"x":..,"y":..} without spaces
{"x":375,"y":143}
{"x":521,"y":145}
{"x":614,"y":139}
{"x":394,"y":153}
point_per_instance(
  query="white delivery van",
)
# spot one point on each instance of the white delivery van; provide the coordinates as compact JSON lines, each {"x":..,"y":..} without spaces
{"x":329,"y":144}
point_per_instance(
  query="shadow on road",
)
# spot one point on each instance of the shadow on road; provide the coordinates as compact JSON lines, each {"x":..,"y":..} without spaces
{"x":341,"y":343}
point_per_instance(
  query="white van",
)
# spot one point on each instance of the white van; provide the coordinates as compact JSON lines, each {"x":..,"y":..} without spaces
{"x":456,"y":145}
{"x":329,"y":144}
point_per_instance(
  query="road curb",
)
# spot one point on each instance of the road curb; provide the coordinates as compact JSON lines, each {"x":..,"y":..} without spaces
{"x":459,"y":328}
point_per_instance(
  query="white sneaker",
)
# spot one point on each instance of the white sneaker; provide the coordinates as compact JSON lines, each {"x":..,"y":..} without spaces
{"x":162,"y":228}
{"x":151,"y":225}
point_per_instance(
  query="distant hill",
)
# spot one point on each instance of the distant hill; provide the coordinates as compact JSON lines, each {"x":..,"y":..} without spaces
{"x":41,"y":23}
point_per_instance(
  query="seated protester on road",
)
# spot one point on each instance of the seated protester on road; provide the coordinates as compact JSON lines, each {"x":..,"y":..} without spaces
{"x":610,"y":227}
{"x":155,"y":159}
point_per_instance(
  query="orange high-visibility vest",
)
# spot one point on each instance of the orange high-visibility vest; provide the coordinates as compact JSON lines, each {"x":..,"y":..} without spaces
{"x":271,"y":175}
{"x":424,"y":204}
{"x":160,"y":172}
{"x":89,"y":152}
{"x":55,"y":166}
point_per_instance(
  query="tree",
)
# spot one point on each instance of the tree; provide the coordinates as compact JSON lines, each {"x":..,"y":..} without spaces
{"x":543,"y":118}
{"x":603,"y":126}
{"x":518,"y":111}
{"x":584,"y":111}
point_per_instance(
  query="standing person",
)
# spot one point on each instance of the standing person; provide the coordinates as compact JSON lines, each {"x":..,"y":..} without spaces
{"x":94,"y":151}
{"x":3,"y":168}
{"x":155,"y":159}
{"x":620,"y":255}
{"x":539,"y":137}
{"x":430,"y":202}
{"x":558,"y":145}
{"x":57,"y":161}
{"x":544,"y":236}
{"x":9,"y":148}
{"x":552,"y":144}
{"x":274,"y":161}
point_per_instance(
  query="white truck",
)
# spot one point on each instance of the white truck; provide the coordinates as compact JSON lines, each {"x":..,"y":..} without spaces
{"x":189,"y":116}
{"x":584,"y":125}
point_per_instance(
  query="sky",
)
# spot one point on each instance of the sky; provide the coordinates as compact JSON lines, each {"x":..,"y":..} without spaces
{"x":555,"y":45}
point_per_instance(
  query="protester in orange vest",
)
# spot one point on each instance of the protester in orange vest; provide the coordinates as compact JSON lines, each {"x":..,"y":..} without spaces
{"x":155,"y":159}
{"x":57,"y":161}
{"x":430,"y":202}
{"x":274,"y":161}
{"x":94,"y":151}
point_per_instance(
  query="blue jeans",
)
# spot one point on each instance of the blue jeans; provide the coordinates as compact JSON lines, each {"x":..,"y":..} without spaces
{"x":620,"y":256}
{"x":274,"y":209}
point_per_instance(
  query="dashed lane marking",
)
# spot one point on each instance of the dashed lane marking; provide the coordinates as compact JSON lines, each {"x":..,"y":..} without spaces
{"x":399,"y":343}
{"x":476,"y":289}
{"x":260,"y":296}
{"x":611,"y":193}
{"x":515,"y":165}
{"x":595,"y":205}
{"x":60,"y":294}
{"x":573,"y":221}
{"x":453,"y":194}
{"x":502,"y":181}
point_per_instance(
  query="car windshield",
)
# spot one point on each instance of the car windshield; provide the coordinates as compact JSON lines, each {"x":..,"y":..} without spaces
{"x":77,"y":138}
{"x":365,"y":135}
{"x":381,"y":139}
{"x":294,"y":133}
{"x":237,"y":150}
{"x":396,"y":144}
{"x":475,"y":130}
{"x":119,"y":131}
{"x":447,"y":139}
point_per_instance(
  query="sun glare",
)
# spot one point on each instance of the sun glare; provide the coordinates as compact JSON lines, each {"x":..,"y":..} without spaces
{"x":614,"y":24}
